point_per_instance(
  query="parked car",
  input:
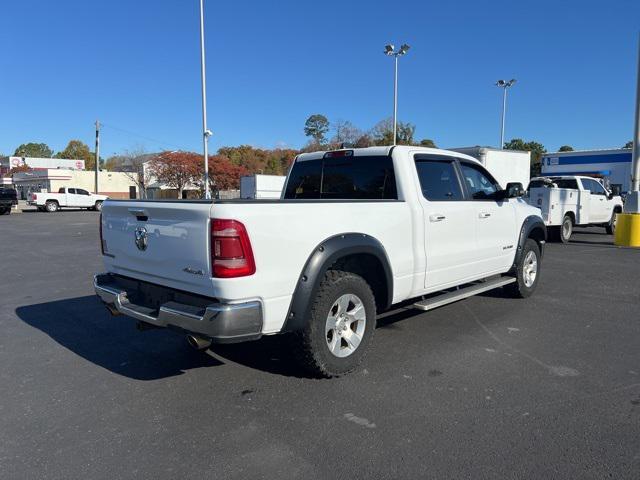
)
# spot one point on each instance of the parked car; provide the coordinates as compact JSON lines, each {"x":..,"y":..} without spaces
{"x":8,"y":198}
{"x":355,"y":232}
{"x":570,"y":200}
{"x":66,"y":198}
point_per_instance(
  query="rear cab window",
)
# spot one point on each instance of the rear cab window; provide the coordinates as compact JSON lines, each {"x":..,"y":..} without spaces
{"x":345,"y":177}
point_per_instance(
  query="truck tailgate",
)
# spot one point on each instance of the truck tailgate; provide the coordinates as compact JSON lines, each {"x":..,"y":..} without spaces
{"x":161,"y":242}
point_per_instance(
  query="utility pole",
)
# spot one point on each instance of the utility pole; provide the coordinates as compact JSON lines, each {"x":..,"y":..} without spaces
{"x":206,"y":133}
{"x":97,"y":168}
{"x":635,"y":164}
{"x":627,"y":224}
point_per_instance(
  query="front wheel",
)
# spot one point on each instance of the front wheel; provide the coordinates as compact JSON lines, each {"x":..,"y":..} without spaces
{"x":527,"y":271}
{"x":98,"y":206}
{"x":340,"y":326}
{"x":611,"y":226}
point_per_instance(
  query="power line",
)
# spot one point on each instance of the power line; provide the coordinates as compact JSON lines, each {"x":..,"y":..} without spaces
{"x":151,"y":139}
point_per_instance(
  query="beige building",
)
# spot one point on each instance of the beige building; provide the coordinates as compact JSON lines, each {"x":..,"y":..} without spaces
{"x":113,"y":184}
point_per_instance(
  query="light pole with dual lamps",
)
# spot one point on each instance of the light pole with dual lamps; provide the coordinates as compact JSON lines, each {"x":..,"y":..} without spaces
{"x":504,"y":84}
{"x":390,"y":51}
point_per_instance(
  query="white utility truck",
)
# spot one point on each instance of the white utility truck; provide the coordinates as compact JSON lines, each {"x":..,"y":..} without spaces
{"x":67,"y":197}
{"x":262,"y":186}
{"x":506,"y":166}
{"x":355,"y":231}
{"x":568,"y":201}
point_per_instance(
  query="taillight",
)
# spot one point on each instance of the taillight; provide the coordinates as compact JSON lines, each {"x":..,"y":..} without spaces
{"x":231,"y":253}
{"x":34,"y":196}
{"x":101,"y":239}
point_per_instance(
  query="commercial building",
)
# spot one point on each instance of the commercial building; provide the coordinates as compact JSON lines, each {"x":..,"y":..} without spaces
{"x":7,"y":163}
{"x":113,"y":184}
{"x":614,"y":166}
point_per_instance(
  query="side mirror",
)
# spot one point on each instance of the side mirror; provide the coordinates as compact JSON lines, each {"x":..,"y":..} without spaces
{"x":513,"y":190}
{"x":610,"y":195}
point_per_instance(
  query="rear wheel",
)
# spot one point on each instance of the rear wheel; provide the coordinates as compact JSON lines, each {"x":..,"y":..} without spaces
{"x":339,"y":329}
{"x":51,"y":206}
{"x":566,"y":229}
{"x":527,"y":271}
{"x":4,"y":210}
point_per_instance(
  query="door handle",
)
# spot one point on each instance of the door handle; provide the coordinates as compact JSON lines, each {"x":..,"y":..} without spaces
{"x":484,"y":215}
{"x":437,"y":217}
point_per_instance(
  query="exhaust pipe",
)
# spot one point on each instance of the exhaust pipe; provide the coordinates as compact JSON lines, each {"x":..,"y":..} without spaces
{"x":197,"y":342}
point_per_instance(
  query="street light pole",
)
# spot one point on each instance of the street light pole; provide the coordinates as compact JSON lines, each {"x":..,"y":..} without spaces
{"x":395,"y":103}
{"x":389,"y":50}
{"x":504,"y":85}
{"x":206,"y":133}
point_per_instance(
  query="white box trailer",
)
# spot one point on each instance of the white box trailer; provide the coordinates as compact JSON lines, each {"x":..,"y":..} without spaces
{"x":505,"y":165}
{"x":261,"y":186}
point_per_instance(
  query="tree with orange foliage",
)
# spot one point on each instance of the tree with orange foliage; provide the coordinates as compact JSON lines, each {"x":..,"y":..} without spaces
{"x":225,"y":175}
{"x":19,"y":169}
{"x":178,"y":169}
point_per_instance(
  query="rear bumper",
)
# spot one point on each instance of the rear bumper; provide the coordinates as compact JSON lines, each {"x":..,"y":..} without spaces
{"x":164,"y":307}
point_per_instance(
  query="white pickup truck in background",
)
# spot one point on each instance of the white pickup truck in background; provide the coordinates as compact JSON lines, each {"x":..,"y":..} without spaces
{"x":66,"y":198}
{"x":568,"y":201}
{"x":355,"y":232}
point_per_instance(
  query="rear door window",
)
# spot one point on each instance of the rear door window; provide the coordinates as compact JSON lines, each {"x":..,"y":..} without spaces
{"x":71,"y":190}
{"x":343,"y":178}
{"x":438,"y":180}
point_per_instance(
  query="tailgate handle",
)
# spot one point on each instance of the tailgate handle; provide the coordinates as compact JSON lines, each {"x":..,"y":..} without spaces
{"x":139,"y":213}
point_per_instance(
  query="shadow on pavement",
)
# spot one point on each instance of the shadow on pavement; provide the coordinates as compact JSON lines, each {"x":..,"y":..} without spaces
{"x":83,"y":326}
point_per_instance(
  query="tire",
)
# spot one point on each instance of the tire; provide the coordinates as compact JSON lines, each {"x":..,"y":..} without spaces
{"x":566,"y":229}
{"x":527,"y":271}
{"x":98,"y":206}
{"x":3,"y":210}
{"x":340,"y":326}
{"x":611,"y":226}
{"x":51,"y":206}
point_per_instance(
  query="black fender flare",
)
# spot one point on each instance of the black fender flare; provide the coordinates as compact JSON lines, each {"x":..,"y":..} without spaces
{"x":320,"y":260}
{"x":531,"y":223}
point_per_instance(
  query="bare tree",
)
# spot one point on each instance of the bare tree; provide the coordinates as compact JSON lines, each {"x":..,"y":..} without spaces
{"x":132,"y":164}
{"x":345,"y":132}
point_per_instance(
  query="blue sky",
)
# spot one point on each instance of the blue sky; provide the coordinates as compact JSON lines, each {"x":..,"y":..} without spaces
{"x":135,"y":66}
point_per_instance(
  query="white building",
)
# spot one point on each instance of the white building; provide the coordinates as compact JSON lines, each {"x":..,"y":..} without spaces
{"x":114,"y":184}
{"x":613,"y":166}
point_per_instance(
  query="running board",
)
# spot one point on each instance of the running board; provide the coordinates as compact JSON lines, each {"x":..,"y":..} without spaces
{"x":466,"y":292}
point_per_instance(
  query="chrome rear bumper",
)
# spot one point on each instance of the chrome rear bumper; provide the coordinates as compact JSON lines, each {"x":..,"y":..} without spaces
{"x":222,"y":322}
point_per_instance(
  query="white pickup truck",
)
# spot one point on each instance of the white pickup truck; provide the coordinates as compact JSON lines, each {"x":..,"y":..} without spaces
{"x":570,"y":200}
{"x":66,"y":198}
{"x":355,"y":232}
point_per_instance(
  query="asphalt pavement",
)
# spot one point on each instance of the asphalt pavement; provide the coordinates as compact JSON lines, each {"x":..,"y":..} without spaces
{"x":489,"y":387}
